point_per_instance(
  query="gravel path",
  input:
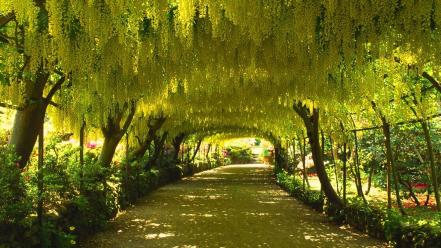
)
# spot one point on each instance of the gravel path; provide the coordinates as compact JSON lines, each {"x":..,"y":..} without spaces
{"x":232,"y":206}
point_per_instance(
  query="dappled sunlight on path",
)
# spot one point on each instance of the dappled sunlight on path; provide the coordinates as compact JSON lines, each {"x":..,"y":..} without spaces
{"x":232,"y":206}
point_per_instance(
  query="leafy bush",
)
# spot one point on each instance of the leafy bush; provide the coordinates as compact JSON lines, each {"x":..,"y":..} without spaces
{"x":136,"y":182}
{"x":402,"y":231}
{"x":95,"y":200}
{"x":366,"y":218}
{"x":78,"y":200}
{"x":15,"y":206}
{"x":295,"y":188}
{"x":240,"y":155}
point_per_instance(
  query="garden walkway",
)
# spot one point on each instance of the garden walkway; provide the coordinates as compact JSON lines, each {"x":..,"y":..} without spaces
{"x":232,"y":206}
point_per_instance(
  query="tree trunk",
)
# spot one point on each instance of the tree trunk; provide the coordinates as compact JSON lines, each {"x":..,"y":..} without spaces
{"x":432,"y":80}
{"x":113,"y":132}
{"x":357,"y":170}
{"x":345,"y":173}
{"x":177,"y":141}
{"x":311,"y":121}
{"x":29,"y":120}
{"x":303,"y":154}
{"x":141,"y":150}
{"x":371,"y":175}
{"x":196,"y":150}
{"x":428,"y":139}
{"x":389,"y":156}
{"x":208,"y":153}
{"x":391,"y":163}
{"x":108,"y":150}
{"x":433,"y":168}
{"x":388,"y":181}
{"x":127,"y":164}
{"x":159,"y":145}
{"x":294,"y":157}
{"x":82,"y":131}
{"x":40,"y":185}
{"x":408,"y":185}
{"x":277,"y":156}
{"x":335,"y":165}
{"x":154,"y":125}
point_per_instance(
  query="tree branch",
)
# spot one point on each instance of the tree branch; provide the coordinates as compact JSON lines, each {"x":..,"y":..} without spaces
{"x":54,"y":104}
{"x":299,"y":108}
{"x":434,"y":82}
{"x":55,"y":88}
{"x":5,"y":19}
{"x":129,"y":118}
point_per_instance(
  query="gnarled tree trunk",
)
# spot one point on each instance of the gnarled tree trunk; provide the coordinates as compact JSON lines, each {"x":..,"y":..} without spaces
{"x":154,"y":125}
{"x":311,"y":121}
{"x":159,"y":142}
{"x":113,"y":132}
{"x":30,"y":117}
{"x":177,"y":141}
{"x":196,"y":150}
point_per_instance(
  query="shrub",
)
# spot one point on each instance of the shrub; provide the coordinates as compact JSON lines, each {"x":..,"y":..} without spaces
{"x":15,"y":206}
{"x":295,"y":188}
{"x":240,"y":155}
{"x":402,"y":231}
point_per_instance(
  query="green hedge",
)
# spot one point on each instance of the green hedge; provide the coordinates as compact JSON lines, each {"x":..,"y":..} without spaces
{"x":78,"y":200}
{"x":295,"y":188}
{"x":388,"y":225}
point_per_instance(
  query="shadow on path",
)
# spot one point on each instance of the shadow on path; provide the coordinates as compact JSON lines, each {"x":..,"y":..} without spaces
{"x":232,"y":206}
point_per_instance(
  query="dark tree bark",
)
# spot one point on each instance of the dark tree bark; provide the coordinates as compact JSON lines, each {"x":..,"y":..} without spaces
{"x":154,"y":124}
{"x":159,"y":142}
{"x":371,"y":175}
{"x":433,"y":168}
{"x":371,"y":172}
{"x":358,"y":182}
{"x":40,"y":183}
{"x":5,"y":19}
{"x":294,"y":157}
{"x":408,"y":185}
{"x":196,"y":150}
{"x":30,"y":117}
{"x":207,"y":153}
{"x":433,"y":81}
{"x":311,"y":121}
{"x":390,"y":159}
{"x":278,"y":160}
{"x":82,"y":132}
{"x":345,"y":172}
{"x":113,"y":132}
{"x":177,"y":141}
{"x":429,"y":146}
{"x":334,"y":164}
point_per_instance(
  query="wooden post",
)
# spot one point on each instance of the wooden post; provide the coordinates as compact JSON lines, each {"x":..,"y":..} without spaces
{"x":335,"y":165}
{"x":357,"y":170}
{"x":40,"y":182}
{"x":83,"y":126}
{"x":345,"y":169}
